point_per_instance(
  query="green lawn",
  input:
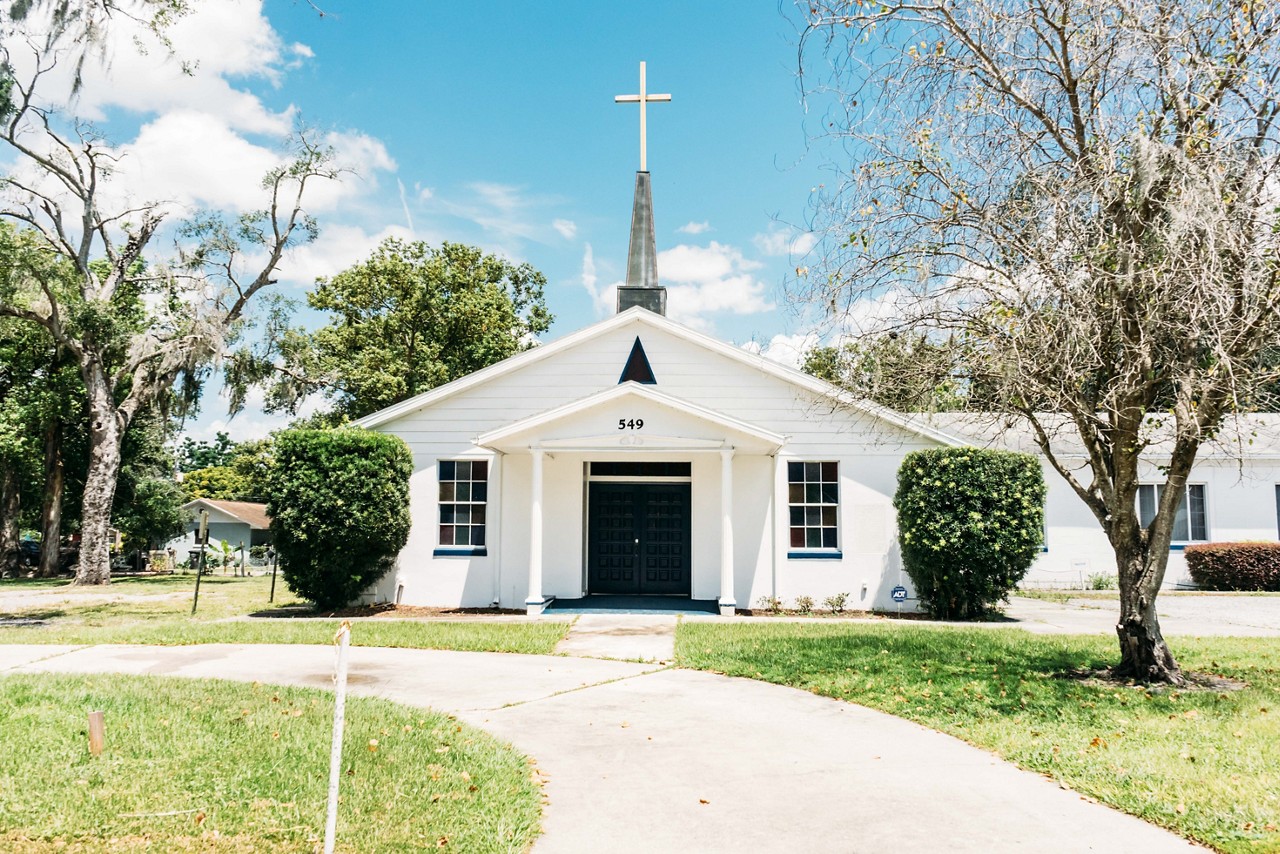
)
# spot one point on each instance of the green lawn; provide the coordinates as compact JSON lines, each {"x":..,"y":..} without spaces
{"x":164,"y":617}
{"x":1204,"y":764}
{"x":227,"y":766}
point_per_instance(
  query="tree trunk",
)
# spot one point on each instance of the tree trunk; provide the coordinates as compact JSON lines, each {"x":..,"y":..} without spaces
{"x":106,"y":433}
{"x":1144,"y":655}
{"x":10,"y":504}
{"x":51,"y":506}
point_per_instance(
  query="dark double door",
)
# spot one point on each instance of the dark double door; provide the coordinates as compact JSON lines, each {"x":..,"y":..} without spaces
{"x":638,"y":538}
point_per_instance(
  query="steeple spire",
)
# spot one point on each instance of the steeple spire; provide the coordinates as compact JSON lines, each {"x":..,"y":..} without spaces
{"x":642,"y":286}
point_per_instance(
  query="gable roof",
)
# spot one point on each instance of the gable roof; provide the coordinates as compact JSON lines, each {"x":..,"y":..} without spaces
{"x":633,"y":390}
{"x":252,"y":514}
{"x":644,"y":317}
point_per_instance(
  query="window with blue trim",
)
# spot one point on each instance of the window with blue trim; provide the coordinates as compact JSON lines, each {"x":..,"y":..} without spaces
{"x":1190,"y":522}
{"x":813,"y":496}
{"x":464,"y":493}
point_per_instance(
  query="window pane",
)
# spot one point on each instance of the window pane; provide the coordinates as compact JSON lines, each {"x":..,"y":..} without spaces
{"x":830,"y":493}
{"x":797,"y":515}
{"x":479,"y":492}
{"x":813,"y":538}
{"x":812,"y":472}
{"x":795,"y":493}
{"x":446,"y":514}
{"x":828,"y":538}
{"x":829,"y":473}
{"x":812,"y":493}
{"x":813,"y":516}
{"x":464,"y":470}
{"x":829,"y":516}
{"x":463,"y":514}
{"x":477,"y":535}
{"x":446,"y":535}
{"x":477,"y":514}
{"x":446,"y":470}
{"x":1146,"y":504}
{"x":795,"y":472}
{"x":463,"y":491}
{"x":480,"y":470}
{"x":1180,"y":533}
{"x":447,"y":491}
{"x":1199,"y":527}
{"x":797,"y":538}
{"x":462,"y":536}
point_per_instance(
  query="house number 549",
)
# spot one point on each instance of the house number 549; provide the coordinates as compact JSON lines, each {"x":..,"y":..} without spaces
{"x":630,"y":423}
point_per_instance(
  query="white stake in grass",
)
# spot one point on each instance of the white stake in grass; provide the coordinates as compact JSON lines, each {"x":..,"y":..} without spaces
{"x":343,"y":640}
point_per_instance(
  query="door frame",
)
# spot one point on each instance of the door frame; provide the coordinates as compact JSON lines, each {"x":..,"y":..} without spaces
{"x":588,"y":478}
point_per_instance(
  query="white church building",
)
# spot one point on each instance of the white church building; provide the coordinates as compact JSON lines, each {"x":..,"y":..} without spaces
{"x":640,"y":458}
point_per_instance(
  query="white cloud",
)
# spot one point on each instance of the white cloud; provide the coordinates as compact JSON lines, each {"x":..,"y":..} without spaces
{"x":710,"y":279}
{"x":788,"y":350}
{"x":604,"y":299}
{"x":694,"y":227}
{"x":338,"y":247}
{"x":424,"y":193}
{"x":785,"y":241}
{"x":567,"y":228}
{"x":251,"y":423}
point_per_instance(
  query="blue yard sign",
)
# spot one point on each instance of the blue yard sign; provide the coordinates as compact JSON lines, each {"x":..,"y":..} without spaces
{"x":899,"y":593}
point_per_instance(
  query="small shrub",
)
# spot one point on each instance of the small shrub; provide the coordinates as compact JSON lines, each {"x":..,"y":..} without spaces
{"x":1235,"y":566}
{"x":970,"y":522}
{"x":339,"y":507}
{"x":1102,"y":581}
{"x":772,"y":604}
{"x":804,"y":604}
{"x":836,"y":602}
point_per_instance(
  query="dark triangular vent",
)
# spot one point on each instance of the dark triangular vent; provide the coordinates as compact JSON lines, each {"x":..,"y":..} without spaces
{"x":637,"y":369}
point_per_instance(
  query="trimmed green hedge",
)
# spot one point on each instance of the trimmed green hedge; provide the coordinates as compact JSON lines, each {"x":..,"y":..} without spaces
{"x":339,"y":507}
{"x":1235,"y":566}
{"x":970,"y":522}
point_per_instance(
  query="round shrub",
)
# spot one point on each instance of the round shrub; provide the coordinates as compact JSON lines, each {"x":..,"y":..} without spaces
{"x":970,"y":522}
{"x":1235,"y":566}
{"x":339,"y":507}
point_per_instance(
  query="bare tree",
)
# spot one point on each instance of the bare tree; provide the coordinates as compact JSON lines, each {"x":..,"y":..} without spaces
{"x":134,"y":327}
{"x":1081,"y":196}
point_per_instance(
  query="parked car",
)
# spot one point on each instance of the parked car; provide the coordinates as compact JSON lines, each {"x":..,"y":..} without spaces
{"x":28,"y":552}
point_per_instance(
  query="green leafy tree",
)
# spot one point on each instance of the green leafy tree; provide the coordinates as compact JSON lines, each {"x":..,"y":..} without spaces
{"x":408,"y":319}
{"x":136,"y":334}
{"x":970,"y":523}
{"x":339,"y":507}
{"x":192,"y":454}
{"x":221,"y":483}
{"x":906,"y":373}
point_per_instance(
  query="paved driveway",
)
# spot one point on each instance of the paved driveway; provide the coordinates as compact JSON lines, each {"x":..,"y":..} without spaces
{"x":1180,"y":614}
{"x":641,"y":758}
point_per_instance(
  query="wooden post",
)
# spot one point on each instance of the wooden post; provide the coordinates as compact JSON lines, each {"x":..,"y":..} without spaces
{"x":272,"y":551}
{"x":97,"y":733}
{"x":243,"y":572}
{"x":343,"y":640}
{"x":203,"y":542}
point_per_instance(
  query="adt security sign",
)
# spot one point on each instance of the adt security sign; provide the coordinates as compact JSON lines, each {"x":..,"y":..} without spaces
{"x":899,"y":593}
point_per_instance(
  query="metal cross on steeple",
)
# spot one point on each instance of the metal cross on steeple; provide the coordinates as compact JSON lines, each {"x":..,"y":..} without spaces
{"x":643,"y":98}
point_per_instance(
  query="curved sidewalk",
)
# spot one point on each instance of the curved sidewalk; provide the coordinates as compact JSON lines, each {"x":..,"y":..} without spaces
{"x":643,"y":758}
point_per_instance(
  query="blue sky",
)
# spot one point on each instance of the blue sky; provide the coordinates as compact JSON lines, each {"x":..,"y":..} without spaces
{"x":494,"y":124}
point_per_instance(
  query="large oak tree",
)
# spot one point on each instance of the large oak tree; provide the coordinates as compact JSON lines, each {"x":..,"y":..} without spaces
{"x":1081,"y":196}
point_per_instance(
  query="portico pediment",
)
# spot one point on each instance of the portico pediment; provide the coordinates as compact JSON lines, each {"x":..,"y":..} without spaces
{"x":632,"y":418}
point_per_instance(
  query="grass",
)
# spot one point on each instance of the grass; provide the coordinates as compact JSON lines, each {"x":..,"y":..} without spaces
{"x":207,"y":765}
{"x":164,"y":617}
{"x":1204,"y":764}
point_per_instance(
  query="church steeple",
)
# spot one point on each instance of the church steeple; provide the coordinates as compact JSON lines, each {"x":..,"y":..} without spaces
{"x":642,"y":286}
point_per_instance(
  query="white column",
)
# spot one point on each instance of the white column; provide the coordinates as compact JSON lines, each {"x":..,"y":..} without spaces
{"x":534,"y":602}
{"x":727,"y":602}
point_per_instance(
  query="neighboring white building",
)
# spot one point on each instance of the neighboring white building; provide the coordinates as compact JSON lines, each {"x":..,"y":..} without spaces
{"x":232,"y":522}
{"x":638,"y":456}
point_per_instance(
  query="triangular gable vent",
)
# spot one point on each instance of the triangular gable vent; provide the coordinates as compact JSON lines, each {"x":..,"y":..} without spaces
{"x":637,"y":369}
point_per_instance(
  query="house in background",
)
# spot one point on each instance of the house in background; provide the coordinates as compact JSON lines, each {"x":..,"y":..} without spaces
{"x":232,"y":522}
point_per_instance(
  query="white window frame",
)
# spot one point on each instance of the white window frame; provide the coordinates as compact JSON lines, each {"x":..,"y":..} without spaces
{"x":1157,"y":488}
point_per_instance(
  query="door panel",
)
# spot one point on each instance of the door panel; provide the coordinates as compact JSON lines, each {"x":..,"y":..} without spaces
{"x":639,"y":537}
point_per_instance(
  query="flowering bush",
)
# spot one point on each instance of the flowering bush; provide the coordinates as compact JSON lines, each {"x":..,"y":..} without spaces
{"x":970,"y":522}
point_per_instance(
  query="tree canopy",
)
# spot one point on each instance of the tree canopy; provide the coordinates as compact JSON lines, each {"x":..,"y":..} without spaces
{"x":406,"y":320}
{"x":1082,"y":196}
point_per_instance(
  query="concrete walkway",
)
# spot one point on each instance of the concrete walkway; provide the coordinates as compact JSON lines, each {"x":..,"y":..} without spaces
{"x":641,"y":758}
{"x":622,"y":637}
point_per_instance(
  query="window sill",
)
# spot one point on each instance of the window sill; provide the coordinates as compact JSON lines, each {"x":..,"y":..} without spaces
{"x":804,"y":555}
{"x":460,"y":552}
{"x":1177,"y":547}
